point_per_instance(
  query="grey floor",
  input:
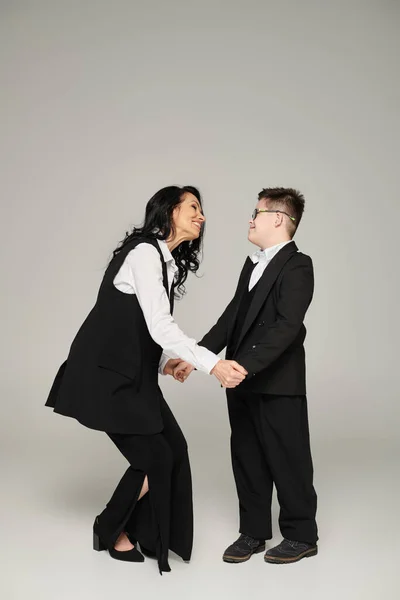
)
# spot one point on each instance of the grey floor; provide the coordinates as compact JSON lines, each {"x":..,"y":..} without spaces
{"x":51,"y":492}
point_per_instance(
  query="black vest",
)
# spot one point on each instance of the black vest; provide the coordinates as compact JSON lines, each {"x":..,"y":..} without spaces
{"x":110,"y":380}
{"x":244,"y":306}
{"x":243,"y":309}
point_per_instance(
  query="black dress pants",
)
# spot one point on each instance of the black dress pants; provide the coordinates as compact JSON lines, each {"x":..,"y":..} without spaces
{"x":270,"y":445}
{"x":163,"y":518}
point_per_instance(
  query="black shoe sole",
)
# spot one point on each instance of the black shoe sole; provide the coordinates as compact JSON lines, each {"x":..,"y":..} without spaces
{"x":286,"y":561}
{"x":236,"y":559}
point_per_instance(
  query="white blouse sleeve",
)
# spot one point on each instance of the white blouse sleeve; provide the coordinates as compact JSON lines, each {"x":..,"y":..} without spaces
{"x":163,"y":361}
{"x":145,"y":271}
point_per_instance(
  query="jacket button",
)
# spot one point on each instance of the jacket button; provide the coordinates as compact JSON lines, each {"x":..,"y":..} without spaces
{"x":261,"y":324}
{"x":253,"y":347}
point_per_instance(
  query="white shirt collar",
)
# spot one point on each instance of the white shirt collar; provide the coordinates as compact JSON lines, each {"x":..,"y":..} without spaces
{"x":169,"y":259}
{"x":265,"y":256}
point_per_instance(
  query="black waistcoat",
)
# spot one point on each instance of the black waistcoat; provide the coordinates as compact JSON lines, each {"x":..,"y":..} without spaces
{"x":110,"y":380}
{"x":243,"y":309}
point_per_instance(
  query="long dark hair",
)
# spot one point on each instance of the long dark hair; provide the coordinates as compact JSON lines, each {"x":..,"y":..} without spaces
{"x":158,"y":224}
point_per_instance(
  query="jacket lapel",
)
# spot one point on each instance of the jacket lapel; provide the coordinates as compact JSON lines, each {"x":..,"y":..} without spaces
{"x":265,"y":284}
{"x":243,"y":283}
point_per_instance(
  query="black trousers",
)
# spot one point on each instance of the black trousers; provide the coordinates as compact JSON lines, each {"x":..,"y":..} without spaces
{"x":270,"y":445}
{"x":163,"y":518}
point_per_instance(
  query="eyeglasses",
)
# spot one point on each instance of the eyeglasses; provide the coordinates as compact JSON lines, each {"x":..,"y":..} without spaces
{"x":264,"y":210}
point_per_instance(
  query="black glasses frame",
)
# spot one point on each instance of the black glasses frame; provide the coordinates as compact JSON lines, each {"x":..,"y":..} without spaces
{"x":264,"y":210}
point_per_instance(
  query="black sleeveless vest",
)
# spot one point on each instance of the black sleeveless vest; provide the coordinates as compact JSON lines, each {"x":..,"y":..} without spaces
{"x":109,"y":381}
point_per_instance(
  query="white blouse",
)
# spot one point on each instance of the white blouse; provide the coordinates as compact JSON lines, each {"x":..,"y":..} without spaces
{"x":141,"y":274}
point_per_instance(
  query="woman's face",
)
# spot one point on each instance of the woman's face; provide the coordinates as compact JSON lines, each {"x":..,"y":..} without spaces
{"x":188,"y":217}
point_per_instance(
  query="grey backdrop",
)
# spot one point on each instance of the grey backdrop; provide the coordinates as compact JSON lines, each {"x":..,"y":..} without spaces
{"x":102,"y":103}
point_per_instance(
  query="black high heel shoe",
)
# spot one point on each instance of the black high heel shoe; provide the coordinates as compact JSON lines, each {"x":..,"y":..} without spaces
{"x":126,"y":555}
{"x":148,"y":553}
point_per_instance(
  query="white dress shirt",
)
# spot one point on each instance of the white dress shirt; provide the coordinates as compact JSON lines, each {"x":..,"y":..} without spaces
{"x":141,"y":274}
{"x":261,"y":259}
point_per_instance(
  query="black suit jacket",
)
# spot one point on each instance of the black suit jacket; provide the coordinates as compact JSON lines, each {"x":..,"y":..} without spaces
{"x":270,"y":346}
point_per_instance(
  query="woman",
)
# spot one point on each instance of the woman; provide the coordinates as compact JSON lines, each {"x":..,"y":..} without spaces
{"x":110,"y":380}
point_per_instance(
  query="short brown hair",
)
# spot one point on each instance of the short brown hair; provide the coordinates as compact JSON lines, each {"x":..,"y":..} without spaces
{"x":286,"y":199}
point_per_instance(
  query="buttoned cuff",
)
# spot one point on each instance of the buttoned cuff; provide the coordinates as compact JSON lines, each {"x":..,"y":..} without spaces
{"x":163,"y":361}
{"x":209,"y":360}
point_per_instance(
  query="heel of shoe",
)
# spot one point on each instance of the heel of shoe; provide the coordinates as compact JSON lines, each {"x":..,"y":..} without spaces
{"x":97,"y":543}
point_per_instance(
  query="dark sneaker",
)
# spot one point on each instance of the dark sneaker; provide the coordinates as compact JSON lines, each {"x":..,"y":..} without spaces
{"x":243,"y":549}
{"x":288,"y":552}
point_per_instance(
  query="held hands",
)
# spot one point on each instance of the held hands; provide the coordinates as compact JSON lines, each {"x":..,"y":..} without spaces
{"x":178,"y":369}
{"x":171,"y":365}
{"x":228,"y":372}
{"x":182,"y":371}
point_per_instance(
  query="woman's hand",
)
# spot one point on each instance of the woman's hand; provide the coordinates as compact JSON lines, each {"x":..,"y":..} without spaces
{"x":171,"y":365}
{"x":182,"y":371}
